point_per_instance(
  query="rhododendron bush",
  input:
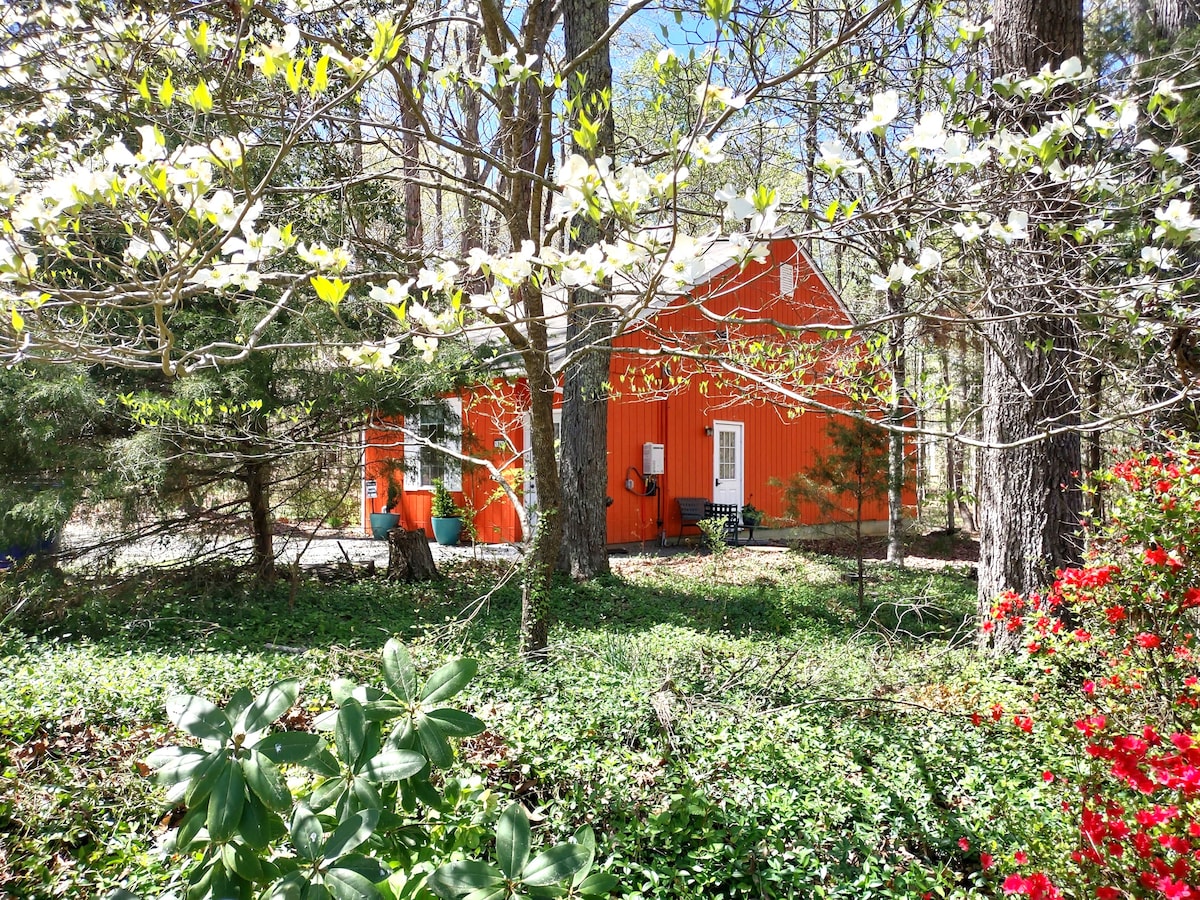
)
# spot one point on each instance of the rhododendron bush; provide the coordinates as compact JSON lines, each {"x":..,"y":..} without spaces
{"x":1118,"y":637}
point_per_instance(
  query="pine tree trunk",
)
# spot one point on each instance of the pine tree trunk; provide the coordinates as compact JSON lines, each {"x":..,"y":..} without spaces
{"x":1032,"y":33}
{"x":584,"y":462}
{"x":257,"y":476}
{"x":1029,"y":517}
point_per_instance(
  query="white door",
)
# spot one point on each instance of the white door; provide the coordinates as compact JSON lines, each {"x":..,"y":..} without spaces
{"x":727,"y":463}
{"x":531,"y":500}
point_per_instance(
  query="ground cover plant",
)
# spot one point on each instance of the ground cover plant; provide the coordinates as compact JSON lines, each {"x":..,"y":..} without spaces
{"x":744,"y":733}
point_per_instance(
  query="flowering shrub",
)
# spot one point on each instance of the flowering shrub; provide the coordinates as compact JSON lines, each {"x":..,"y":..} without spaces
{"x":1120,"y":634}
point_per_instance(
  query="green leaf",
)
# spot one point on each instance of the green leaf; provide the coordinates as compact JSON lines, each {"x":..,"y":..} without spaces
{"x":290,"y":887}
{"x":225,"y":803}
{"x":393,"y":765}
{"x":323,"y":763}
{"x":363,"y":795}
{"x":205,"y":777}
{"x":332,"y":290}
{"x":173,"y":765}
{"x":350,"y":733}
{"x":308,"y":837}
{"x":457,"y":878}
{"x":239,"y":860}
{"x":18,"y":321}
{"x":457,"y":723}
{"x":201,"y":99}
{"x":267,"y":782}
{"x":382,"y":710}
{"x":342,"y":689}
{"x":398,"y":671}
{"x":599,"y":884}
{"x":498,"y":892}
{"x":512,"y":840}
{"x":434,"y":742}
{"x":346,"y":884}
{"x":258,"y":827}
{"x":320,"y":80}
{"x":559,"y":863}
{"x":327,"y":793}
{"x":269,"y":706}
{"x":288,"y":746}
{"x":449,"y":680}
{"x":189,"y":828}
{"x":199,"y":718}
{"x":585,"y":838}
{"x":237,"y":705}
{"x":368,"y":867}
{"x":356,"y":829}
{"x":166,"y":91}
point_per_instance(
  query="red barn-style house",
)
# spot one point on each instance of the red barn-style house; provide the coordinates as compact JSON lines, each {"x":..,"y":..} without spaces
{"x":677,"y":428}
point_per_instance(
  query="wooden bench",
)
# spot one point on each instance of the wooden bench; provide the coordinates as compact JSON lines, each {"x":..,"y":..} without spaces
{"x":694,"y":510}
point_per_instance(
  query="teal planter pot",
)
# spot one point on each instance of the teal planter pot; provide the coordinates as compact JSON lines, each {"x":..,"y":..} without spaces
{"x":447,"y":530}
{"x":382,"y":523}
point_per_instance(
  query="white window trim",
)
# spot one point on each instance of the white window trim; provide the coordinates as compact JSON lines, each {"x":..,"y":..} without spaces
{"x":414,"y":475}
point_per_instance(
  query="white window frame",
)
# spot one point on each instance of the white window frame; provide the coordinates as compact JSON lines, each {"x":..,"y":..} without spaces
{"x":415,"y":475}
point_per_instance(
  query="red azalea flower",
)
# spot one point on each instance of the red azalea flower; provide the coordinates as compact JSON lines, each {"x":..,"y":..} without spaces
{"x":1148,"y":640}
{"x":1047,"y":777}
{"x":964,"y":844}
{"x":1155,"y":556}
{"x":1020,"y":858}
{"x":985,"y":860}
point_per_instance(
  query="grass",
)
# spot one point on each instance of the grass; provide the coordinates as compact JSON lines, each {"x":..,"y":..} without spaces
{"x":736,"y":729}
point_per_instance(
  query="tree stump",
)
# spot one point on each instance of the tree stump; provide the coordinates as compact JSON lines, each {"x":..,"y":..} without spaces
{"x":409,"y":556}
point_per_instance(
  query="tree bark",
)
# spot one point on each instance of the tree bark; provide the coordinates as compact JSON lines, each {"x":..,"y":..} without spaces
{"x":584,"y":463}
{"x":1033,"y":33}
{"x":897,"y":415}
{"x":409,"y":556}
{"x":257,"y":476}
{"x":1031,"y":501}
{"x":547,"y":536}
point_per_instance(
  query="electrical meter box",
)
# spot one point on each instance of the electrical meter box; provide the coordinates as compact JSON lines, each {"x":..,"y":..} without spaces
{"x":652,"y":459}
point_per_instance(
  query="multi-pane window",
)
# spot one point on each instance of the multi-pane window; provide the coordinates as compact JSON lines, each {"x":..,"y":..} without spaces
{"x":727,"y":455}
{"x":436,"y":428}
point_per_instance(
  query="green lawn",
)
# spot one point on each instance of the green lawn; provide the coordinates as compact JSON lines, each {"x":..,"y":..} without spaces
{"x":731,"y":728}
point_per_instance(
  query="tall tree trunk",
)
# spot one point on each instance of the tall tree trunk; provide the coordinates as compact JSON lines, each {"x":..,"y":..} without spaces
{"x":547,"y":536}
{"x":1031,"y":500}
{"x":257,"y":477}
{"x":951,"y":444}
{"x":897,"y":417}
{"x":585,"y":399}
{"x":1095,"y":451}
{"x":410,"y":145}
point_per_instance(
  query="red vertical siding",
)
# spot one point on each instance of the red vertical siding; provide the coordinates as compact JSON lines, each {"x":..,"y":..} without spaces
{"x":671,"y":401}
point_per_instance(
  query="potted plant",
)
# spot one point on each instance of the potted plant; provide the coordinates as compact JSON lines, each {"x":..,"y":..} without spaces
{"x":752,"y":516}
{"x":382,"y":523}
{"x":445,"y":515}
